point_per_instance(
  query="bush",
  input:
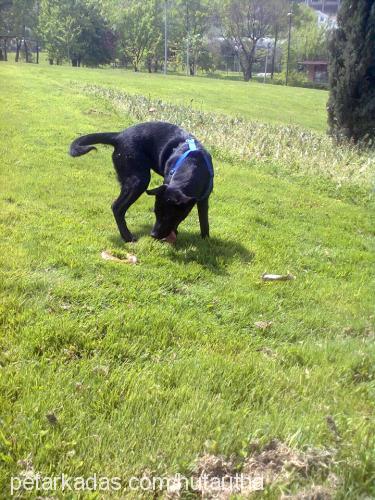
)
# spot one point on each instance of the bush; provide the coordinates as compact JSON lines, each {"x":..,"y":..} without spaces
{"x":298,"y":79}
{"x":351,"y":106}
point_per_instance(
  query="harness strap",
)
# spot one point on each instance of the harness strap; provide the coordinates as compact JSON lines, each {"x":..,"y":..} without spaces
{"x":181,"y":159}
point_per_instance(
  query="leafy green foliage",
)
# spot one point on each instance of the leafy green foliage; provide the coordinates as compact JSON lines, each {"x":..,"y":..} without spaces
{"x":309,"y":40}
{"x":138,"y":28}
{"x":245,"y":22}
{"x":75,"y":30}
{"x":131,"y":32}
{"x":191,"y":22}
{"x":18,"y":17}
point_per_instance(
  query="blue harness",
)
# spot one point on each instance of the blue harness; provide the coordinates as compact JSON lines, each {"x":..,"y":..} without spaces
{"x":181,"y":159}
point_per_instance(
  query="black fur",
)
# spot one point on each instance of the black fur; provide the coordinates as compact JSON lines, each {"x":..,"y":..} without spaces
{"x":156,"y":146}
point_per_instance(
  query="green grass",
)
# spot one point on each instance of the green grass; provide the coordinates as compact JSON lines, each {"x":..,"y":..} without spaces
{"x":147,"y":367}
{"x":253,"y":101}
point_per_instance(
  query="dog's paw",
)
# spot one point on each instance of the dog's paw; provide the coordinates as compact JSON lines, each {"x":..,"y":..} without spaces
{"x":129,"y":239}
{"x":171,"y":238}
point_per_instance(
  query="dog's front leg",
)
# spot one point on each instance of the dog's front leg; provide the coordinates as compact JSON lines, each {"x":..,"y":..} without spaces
{"x":203,"y":217}
{"x":130,"y":192}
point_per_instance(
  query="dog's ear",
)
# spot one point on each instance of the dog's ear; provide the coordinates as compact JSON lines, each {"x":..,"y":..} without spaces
{"x":177,"y":197}
{"x":157,"y":191}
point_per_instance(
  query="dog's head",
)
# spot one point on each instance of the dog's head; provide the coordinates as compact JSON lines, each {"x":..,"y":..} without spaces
{"x":172,"y":206}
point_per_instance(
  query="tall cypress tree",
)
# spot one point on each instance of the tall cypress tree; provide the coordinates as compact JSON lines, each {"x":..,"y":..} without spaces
{"x":351,"y":105}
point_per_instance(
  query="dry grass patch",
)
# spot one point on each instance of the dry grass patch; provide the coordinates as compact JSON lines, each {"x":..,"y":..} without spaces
{"x":296,"y":150}
{"x":275,"y":465}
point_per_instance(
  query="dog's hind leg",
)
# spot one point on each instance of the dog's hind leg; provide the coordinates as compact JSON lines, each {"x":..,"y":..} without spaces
{"x":203,"y":217}
{"x":131,"y":190}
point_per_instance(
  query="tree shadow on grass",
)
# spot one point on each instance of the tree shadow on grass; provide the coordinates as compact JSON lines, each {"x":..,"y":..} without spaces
{"x":214,"y":254}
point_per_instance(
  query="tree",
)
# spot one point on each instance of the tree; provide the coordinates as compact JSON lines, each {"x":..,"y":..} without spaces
{"x":58,"y":29}
{"x":6,"y":14}
{"x":137,"y":28}
{"x":18,"y":18}
{"x":195,"y":24}
{"x":279,"y":27}
{"x":244,"y":23}
{"x":75,"y":30}
{"x":155,"y":51}
{"x":351,"y":105}
{"x":96,"y":41}
{"x":309,"y":39}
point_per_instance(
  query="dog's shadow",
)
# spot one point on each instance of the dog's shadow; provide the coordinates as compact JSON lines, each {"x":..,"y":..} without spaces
{"x":214,"y":254}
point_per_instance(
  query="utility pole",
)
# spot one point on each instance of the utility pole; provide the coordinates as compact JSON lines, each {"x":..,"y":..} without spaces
{"x":37,"y":41}
{"x":187,"y":40}
{"x":266,"y":63}
{"x":165,"y":37}
{"x":274,"y":51}
{"x":287,"y":62}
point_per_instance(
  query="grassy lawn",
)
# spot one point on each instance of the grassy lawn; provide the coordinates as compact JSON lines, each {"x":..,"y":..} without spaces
{"x":124,"y":370}
{"x":253,"y":101}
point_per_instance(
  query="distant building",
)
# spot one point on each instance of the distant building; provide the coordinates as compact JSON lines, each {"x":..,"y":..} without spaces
{"x":325,"y":19}
{"x":316,"y":71}
{"x":329,"y":7}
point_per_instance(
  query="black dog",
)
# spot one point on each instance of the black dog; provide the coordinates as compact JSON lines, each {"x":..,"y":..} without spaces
{"x":171,"y":152}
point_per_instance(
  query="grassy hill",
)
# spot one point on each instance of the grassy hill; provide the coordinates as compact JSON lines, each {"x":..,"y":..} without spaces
{"x":266,"y":103}
{"x":130,"y":370}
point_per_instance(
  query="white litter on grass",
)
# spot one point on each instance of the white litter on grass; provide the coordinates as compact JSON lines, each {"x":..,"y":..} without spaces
{"x":263,"y":325}
{"x":129,"y":259}
{"x":277,"y":277}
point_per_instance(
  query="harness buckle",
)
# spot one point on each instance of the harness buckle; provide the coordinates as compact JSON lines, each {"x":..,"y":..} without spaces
{"x":192,"y":145}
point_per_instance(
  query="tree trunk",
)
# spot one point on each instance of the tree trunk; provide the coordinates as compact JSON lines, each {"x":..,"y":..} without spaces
{"x":251,"y":59}
{"x":247,"y":74}
{"x":149,"y":64}
{"x":274,"y":51}
{"x":26,"y":50}
{"x":192,"y":68}
{"x":18,"y":47}
{"x":247,"y":61}
{"x":247,"y":67}
{"x":50,"y":60}
{"x":5,"y":49}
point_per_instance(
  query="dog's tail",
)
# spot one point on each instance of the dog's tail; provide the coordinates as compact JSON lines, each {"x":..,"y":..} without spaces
{"x":82,"y":145}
